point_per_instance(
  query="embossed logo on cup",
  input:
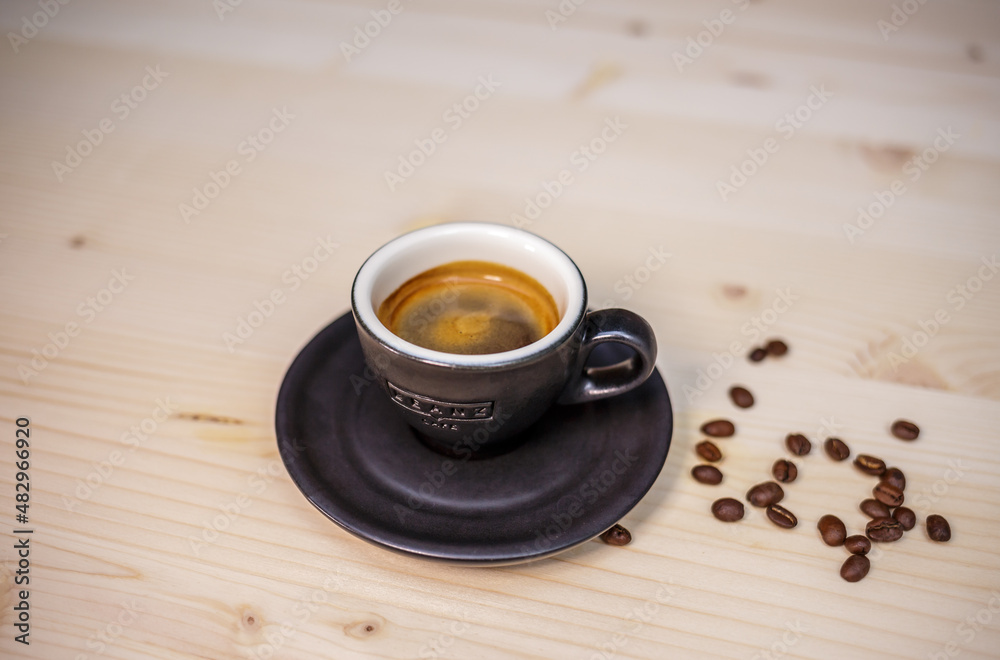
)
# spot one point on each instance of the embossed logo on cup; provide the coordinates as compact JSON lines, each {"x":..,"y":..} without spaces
{"x":440,"y":410}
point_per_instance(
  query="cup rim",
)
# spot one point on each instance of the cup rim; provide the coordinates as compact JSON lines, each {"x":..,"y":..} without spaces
{"x":364,"y":280}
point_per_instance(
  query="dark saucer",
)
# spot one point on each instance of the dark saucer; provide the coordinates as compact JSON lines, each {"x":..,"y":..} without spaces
{"x":578,"y":471}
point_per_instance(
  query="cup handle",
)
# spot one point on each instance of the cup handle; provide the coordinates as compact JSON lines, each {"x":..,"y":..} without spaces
{"x":620,"y":326}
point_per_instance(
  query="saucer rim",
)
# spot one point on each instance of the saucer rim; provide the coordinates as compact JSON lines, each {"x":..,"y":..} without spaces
{"x":307,"y":480}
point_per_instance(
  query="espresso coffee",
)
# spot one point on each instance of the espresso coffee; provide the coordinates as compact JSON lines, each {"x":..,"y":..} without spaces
{"x":470,"y":307}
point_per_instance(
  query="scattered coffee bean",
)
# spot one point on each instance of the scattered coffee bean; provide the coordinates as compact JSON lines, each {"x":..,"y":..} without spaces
{"x":905,"y":430}
{"x":728,"y":509}
{"x":709,"y":451}
{"x":938,"y":528}
{"x":798,"y":444}
{"x":884,"y":530}
{"x":855,"y":568}
{"x":784,"y":471}
{"x":858,"y":544}
{"x":757,"y":354}
{"x":741,"y":396}
{"x":765,"y":494}
{"x":832,"y":529}
{"x":776,"y":347}
{"x":617,"y":535}
{"x":870,"y":464}
{"x":895,"y":477}
{"x":905,"y":517}
{"x":781,"y":516}
{"x":874,"y":509}
{"x":718,"y":428}
{"x":836,"y":449}
{"x":887,"y":494}
{"x":707,"y":474}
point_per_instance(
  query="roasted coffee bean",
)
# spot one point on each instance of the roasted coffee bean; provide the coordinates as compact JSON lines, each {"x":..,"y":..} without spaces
{"x":855,"y":568}
{"x":757,"y":354}
{"x":707,"y":474}
{"x":858,"y":544}
{"x":887,"y":494}
{"x":741,"y":396}
{"x":709,"y":451}
{"x":884,"y":530}
{"x":784,"y":471}
{"x":870,"y":464}
{"x":905,"y":517}
{"x":874,"y":509}
{"x":781,"y":516}
{"x":617,"y":535}
{"x":776,"y":347}
{"x":798,"y":444}
{"x":728,"y":509}
{"x":718,"y":428}
{"x":765,"y":494}
{"x":832,"y":529}
{"x":938,"y":528}
{"x":895,"y":477}
{"x":836,"y":449}
{"x":905,"y":430}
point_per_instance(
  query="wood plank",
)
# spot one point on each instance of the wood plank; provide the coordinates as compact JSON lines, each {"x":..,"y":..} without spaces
{"x":187,"y":538}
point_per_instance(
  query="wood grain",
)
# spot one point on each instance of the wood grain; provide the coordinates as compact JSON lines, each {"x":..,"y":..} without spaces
{"x":186,"y":537}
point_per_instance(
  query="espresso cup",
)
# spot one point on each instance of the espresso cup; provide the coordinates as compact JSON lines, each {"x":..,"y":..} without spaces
{"x":474,"y":401}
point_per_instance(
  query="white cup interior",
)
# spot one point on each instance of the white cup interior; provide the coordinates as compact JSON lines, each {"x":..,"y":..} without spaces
{"x":411,"y":254}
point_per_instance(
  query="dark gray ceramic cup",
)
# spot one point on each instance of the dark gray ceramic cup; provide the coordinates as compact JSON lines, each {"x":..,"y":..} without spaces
{"x":479,"y":403}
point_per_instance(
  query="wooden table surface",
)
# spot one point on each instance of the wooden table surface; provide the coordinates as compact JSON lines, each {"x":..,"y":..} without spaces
{"x":826,"y":174}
